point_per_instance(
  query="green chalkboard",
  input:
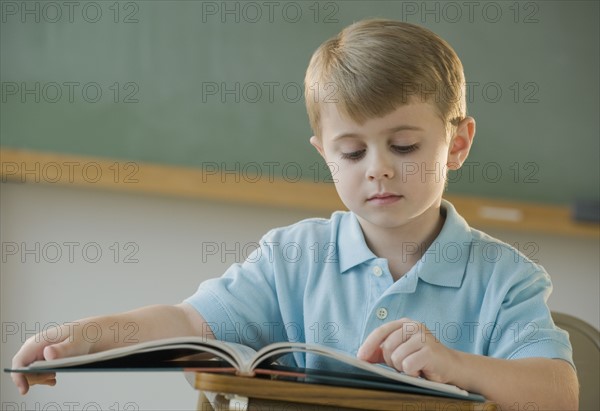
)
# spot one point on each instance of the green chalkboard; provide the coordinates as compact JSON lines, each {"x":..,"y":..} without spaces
{"x":194,"y":83}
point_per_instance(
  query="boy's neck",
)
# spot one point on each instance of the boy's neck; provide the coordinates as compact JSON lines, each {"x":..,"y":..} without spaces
{"x":404,"y":246}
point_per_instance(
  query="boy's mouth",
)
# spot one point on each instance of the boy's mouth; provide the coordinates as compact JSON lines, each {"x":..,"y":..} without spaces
{"x":384,"y":198}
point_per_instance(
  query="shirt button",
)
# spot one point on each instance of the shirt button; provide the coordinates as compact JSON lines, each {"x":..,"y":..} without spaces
{"x":377,"y":271}
{"x":382,"y":313}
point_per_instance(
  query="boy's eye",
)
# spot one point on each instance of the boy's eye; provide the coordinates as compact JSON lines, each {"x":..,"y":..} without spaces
{"x":354,"y":155}
{"x":405,"y":149}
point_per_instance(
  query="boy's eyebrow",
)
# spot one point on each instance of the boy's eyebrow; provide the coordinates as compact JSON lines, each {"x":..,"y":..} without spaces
{"x":402,"y":128}
{"x":345,"y":135}
{"x":385,"y":132}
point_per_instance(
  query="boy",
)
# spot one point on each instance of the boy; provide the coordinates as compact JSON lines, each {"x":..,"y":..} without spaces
{"x":399,"y":279}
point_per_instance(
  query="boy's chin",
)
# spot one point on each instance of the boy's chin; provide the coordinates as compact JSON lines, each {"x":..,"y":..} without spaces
{"x":382,"y":218}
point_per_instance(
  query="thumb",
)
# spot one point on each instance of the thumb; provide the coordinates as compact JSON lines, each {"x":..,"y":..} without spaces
{"x":67,"y":348}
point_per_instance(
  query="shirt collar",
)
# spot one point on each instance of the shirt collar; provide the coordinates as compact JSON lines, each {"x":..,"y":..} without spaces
{"x":444,"y":263}
{"x":353,"y":249}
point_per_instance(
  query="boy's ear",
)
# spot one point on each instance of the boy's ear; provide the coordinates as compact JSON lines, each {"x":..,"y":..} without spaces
{"x":316,"y":143}
{"x":461,"y":143}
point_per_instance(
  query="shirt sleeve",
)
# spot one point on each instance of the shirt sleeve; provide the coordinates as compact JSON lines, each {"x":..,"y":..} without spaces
{"x":524,"y":327}
{"x":242,"y":305}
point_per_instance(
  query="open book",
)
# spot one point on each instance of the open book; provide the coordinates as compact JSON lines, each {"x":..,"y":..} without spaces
{"x":208,"y":355}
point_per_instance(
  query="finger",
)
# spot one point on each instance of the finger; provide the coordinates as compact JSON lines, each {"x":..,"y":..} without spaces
{"x":51,"y":381}
{"x":398,"y":346}
{"x":66,"y":348}
{"x":401,"y":357}
{"x":20,"y":381}
{"x":408,"y":330}
{"x":25,"y":381}
{"x":388,"y":346}
{"x":416,"y":362}
{"x":370,"y":354}
{"x":32,"y":350}
{"x":55,"y":351}
{"x":40,"y":378}
{"x":24,"y":357}
{"x":370,"y":350}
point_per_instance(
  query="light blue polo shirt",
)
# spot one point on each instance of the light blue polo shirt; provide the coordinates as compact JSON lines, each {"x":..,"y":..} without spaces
{"x":318,"y":282}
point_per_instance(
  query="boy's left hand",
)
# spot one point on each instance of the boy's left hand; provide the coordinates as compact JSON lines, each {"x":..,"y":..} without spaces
{"x":410,"y":347}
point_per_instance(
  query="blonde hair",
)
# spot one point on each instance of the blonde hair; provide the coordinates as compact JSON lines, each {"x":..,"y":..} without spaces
{"x":374,"y":66}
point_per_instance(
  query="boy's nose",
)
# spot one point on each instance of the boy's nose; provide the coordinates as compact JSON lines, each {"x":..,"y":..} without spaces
{"x":379,"y":168}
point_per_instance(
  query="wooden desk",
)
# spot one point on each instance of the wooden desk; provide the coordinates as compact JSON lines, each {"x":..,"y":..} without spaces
{"x":262,"y":394}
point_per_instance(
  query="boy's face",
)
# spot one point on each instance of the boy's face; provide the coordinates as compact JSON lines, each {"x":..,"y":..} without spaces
{"x":390,"y":171}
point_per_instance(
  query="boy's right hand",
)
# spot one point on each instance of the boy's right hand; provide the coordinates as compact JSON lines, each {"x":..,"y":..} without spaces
{"x":43,"y":347}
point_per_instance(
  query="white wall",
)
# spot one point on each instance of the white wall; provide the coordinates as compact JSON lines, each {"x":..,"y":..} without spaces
{"x":169,"y":234}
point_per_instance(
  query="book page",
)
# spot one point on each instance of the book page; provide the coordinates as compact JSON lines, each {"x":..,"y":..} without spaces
{"x":235,"y":354}
{"x":278,"y":349}
{"x":245,"y":357}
